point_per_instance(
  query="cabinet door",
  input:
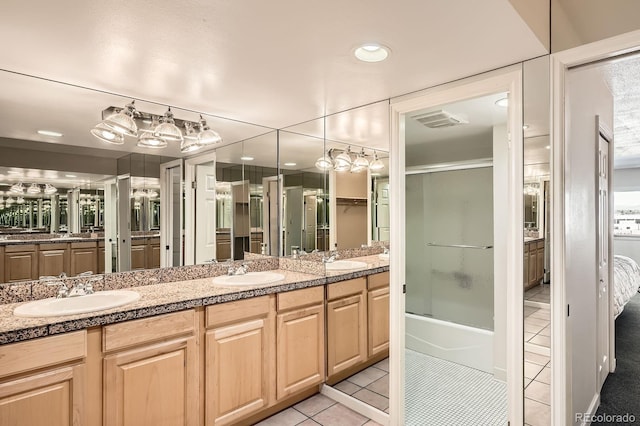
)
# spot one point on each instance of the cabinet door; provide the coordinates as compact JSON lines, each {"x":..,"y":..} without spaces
{"x":154,"y":385}
{"x":299,"y":350}
{"x":533,"y":259}
{"x":20,"y":266}
{"x":138,"y":256}
{"x":83,"y":260}
{"x":525,"y":278}
{"x":50,"y":398}
{"x":378,"y":321}
{"x":540,"y":265}
{"x":101,"y":260}
{"x":237,"y":367}
{"x":346,"y":333}
{"x":53,"y":262}
{"x":153,"y":255}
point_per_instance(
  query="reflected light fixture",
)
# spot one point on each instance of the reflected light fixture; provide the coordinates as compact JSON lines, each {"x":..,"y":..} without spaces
{"x":167,"y":129}
{"x":372,"y":52}
{"x":360,"y":163}
{"x":50,"y":189}
{"x":106,"y":134}
{"x":324,"y":162}
{"x":377,"y":163}
{"x":343,"y":161}
{"x":17,"y":188}
{"x":10,"y":200}
{"x":20,"y":200}
{"x":191,"y":142}
{"x":122,"y":122}
{"x":33,"y":189}
{"x":206,"y":136}
{"x":149,"y":138}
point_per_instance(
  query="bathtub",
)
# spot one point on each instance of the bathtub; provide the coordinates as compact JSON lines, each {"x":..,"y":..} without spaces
{"x":461,"y":344}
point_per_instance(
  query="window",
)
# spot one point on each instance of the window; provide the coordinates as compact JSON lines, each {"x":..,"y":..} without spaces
{"x":626,"y":217}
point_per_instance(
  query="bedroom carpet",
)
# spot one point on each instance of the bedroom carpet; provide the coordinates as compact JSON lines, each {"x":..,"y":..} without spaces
{"x":621,"y":392}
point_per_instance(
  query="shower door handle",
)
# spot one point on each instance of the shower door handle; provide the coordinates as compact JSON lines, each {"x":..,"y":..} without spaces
{"x":460,"y":246}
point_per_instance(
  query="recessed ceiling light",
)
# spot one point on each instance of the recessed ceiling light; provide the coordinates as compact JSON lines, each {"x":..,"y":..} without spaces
{"x":504,"y":102}
{"x":50,"y":133}
{"x":246,"y":158}
{"x":289,"y":164}
{"x":13,"y":172}
{"x":70,"y":176}
{"x":548,"y":146}
{"x":372,"y":52}
{"x":525,"y":127}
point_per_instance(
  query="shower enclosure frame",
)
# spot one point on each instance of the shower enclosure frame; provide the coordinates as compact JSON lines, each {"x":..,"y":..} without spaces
{"x":509,"y":80}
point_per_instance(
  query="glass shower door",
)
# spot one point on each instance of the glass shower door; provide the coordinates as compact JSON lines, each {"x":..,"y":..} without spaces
{"x":449,"y":256}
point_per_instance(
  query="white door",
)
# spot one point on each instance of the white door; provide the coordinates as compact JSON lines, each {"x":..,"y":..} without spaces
{"x":205,"y":209}
{"x":603,"y":260}
{"x":171,"y":212}
{"x":294,"y":214}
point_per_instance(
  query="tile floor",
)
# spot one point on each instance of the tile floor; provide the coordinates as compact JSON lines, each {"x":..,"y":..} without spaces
{"x":370,"y":385}
{"x":317,"y":410}
{"x":537,"y":367}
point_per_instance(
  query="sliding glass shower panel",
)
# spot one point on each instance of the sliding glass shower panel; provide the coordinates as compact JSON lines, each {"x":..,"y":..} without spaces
{"x":450,"y":246}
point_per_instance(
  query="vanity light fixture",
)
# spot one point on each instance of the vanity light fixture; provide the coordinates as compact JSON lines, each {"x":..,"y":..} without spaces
{"x":9,"y":201}
{"x":122,"y":122}
{"x":360,"y":163}
{"x":377,"y":163}
{"x":167,"y":129}
{"x":20,"y":200}
{"x":106,"y":134}
{"x":207,"y":136}
{"x":33,"y":189}
{"x":324,"y":162}
{"x":149,"y":138}
{"x":50,"y":189}
{"x":191,"y":142}
{"x":372,"y":52}
{"x":342,"y":162}
{"x":50,"y":133}
{"x":504,"y":102}
{"x":17,"y":188}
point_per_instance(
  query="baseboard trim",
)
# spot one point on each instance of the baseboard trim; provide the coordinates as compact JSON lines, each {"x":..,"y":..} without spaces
{"x":593,"y":407}
{"x":356,"y":405}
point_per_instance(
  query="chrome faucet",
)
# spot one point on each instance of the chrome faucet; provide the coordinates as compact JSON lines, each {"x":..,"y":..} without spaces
{"x":333,"y":255}
{"x":79,"y":289}
{"x":240,"y":270}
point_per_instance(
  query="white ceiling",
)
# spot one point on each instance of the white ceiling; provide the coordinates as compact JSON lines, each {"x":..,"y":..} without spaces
{"x":270,"y":63}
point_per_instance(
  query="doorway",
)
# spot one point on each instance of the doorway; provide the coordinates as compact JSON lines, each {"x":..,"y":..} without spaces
{"x":503,"y":308}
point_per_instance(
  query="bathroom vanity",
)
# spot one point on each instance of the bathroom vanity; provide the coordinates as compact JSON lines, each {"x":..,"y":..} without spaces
{"x":189,"y":352}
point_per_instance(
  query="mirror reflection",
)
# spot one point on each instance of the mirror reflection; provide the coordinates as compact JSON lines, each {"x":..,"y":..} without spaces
{"x":536,"y":228}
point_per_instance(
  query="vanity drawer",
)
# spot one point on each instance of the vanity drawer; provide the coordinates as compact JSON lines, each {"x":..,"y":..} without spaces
{"x":378,"y":280}
{"x":299,"y":298}
{"x":224,"y":313}
{"x":346,"y":288}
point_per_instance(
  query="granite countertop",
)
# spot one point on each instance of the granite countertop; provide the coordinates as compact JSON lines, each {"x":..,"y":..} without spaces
{"x":169,"y":297}
{"x":529,"y":239}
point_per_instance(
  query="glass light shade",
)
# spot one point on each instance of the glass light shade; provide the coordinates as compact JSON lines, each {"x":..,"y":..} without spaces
{"x":208,"y":137}
{"x":151,"y":140}
{"x":376,"y":164}
{"x":123,"y":122}
{"x":360,"y":163}
{"x":324,"y":163}
{"x":33,"y":189}
{"x":151,"y":193}
{"x":168,"y":130}
{"x":189,"y":145}
{"x":106,"y":134}
{"x":17,"y":188}
{"x":342,"y":162}
{"x":20,"y":200}
{"x":10,"y":201}
{"x":50,"y":189}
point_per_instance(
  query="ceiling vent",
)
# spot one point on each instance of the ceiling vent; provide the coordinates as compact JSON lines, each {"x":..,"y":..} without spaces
{"x":439,"y":119}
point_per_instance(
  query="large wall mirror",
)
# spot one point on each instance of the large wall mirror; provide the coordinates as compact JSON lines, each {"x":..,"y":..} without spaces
{"x":82,"y":204}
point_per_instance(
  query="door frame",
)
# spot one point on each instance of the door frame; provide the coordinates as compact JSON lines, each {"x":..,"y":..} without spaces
{"x":189,"y":203}
{"x":166,"y":203}
{"x":560,"y":349}
{"x":508,"y":79}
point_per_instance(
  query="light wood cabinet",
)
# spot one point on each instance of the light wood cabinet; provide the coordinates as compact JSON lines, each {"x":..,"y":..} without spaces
{"x":533,"y":270}
{"x":51,"y":396}
{"x":540,"y":262}
{"x":378,"y":314}
{"x":346,"y":325}
{"x":151,"y":371}
{"x":300,"y":340}
{"x":84,"y":257}
{"x":101,"y":257}
{"x":138,"y":254}
{"x":53,"y":259}
{"x":20,"y":263}
{"x":239,"y":360}
{"x":153,"y":253}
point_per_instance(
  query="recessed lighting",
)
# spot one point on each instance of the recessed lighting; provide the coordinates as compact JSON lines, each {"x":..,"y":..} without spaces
{"x":50,"y":133}
{"x":372,"y":52}
{"x":525,"y":127}
{"x":13,"y":172}
{"x":504,"y":102}
{"x":548,"y":147}
{"x":289,"y":164}
{"x":246,"y":158}
{"x":70,"y":176}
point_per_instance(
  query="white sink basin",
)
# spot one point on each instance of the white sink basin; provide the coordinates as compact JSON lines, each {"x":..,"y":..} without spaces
{"x":76,"y":305}
{"x":250,"y":278}
{"x":344,"y":265}
{"x":384,"y":256}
